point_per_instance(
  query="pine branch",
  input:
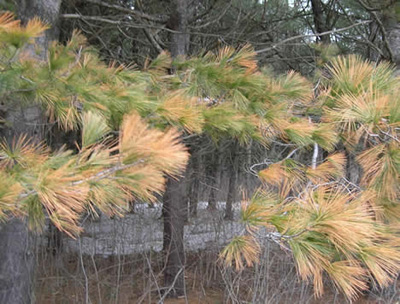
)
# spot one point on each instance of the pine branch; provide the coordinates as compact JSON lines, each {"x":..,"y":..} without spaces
{"x":98,"y":176}
{"x":106,"y":173}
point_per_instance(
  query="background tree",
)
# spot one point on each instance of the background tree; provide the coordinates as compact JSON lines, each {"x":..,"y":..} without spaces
{"x":283,"y":34}
{"x":18,"y":251}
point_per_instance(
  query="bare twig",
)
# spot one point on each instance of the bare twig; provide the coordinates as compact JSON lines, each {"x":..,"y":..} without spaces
{"x":312,"y":35}
{"x":152,"y":40}
{"x":214,"y":20}
{"x":87,"y":301}
{"x":291,"y":153}
{"x":171,"y":287}
{"x":389,"y":135}
{"x":129,"y":11}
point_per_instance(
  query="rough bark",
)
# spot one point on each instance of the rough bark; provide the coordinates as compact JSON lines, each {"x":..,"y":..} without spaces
{"x":232,"y":188}
{"x":353,"y":170}
{"x":215,"y":175}
{"x":17,"y":263}
{"x":391,"y":21}
{"x":17,"y":253}
{"x":394,"y":43}
{"x":174,"y":210}
{"x":175,"y":200}
{"x":320,"y":20}
{"x":248,"y":163}
{"x":178,"y":22}
{"x":17,"y":259}
{"x":194,"y":184}
{"x":46,"y":10}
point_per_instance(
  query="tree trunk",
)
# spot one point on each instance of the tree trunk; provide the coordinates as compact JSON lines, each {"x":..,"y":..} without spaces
{"x":178,"y":22}
{"x":320,"y":21}
{"x":232,"y":188}
{"x":175,"y":200}
{"x":17,"y":253}
{"x":394,"y":43}
{"x":174,"y":210}
{"x":247,"y":165}
{"x":47,"y":11}
{"x":17,"y":258}
{"x":194,"y":184}
{"x":354,"y":171}
{"x":214,"y":179}
{"x":17,"y":263}
{"x":391,"y":21}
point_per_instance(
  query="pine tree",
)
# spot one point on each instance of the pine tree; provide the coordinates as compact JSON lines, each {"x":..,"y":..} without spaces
{"x":120,"y":157}
{"x":131,"y":124}
{"x":75,"y":89}
{"x":331,"y":225}
{"x":228,"y":98}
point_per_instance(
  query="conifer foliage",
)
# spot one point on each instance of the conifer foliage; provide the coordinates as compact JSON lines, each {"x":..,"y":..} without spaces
{"x":131,"y":124}
{"x":333,"y":226}
{"x":78,"y":92}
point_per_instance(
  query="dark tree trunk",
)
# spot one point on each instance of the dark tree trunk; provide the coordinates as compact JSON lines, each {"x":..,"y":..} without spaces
{"x":175,"y":200}
{"x":394,"y":43}
{"x":320,"y":21}
{"x":194,"y":184}
{"x":174,"y":210}
{"x":17,"y":263}
{"x":214,"y":179}
{"x":17,"y":253}
{"x":354,"y":170}
{"x":372,"y":53}
{"x":54,"y":240}
{"x":247,"y":164}
{"x":232,"y":188}
{"x":178,"y":22}
{"x":56,"y":139}
{"x":391,"y":22}
{"x":17,"y":258}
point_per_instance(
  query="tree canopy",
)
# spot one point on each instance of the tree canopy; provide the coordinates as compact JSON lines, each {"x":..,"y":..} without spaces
{"x":133,"y":126}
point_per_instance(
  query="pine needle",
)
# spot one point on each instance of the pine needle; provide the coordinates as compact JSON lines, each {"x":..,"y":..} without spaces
{"x":162,"y":149}
{"x":241,"y":249}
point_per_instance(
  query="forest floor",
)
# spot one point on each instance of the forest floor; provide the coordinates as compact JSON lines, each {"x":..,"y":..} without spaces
{"x":74,"y":279}
{"x":119,"y":262}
